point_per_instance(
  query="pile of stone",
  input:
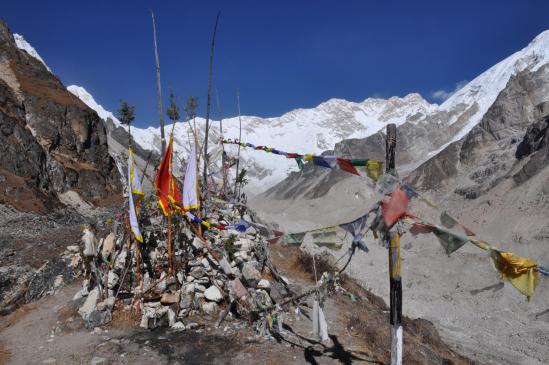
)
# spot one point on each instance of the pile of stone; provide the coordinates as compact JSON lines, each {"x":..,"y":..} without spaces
{"x":226,"y":272}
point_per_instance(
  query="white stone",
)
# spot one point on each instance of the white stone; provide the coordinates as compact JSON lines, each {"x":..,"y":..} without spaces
{"x":96,"y":360}
{"x":199,"y":288}
{"x":178,"y":326}
{"x":189,"y":288}
{"x":171,"y":317}
{"x":73,"y":249}
{"x":197,"y":243}
{"x":264,"y":284}
{"x":206,"y":263}
{"x":209,"y":307}
{"x":213,"y":294}
{"x":89,"y":305}
{"x":112,"y":279}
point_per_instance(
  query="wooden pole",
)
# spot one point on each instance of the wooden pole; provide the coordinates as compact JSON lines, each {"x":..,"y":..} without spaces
{"x":208,"y":104}
{"x":158,"y":87}
{"x":395,"y":283}
{"x":239,"y":141}
{"x":223,"y":171}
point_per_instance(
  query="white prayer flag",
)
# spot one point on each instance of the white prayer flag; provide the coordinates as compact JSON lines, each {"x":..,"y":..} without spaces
{"x":135,"y":194}
{"x":190,"y":186}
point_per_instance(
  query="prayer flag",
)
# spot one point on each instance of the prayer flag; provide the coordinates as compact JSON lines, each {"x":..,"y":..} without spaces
{"x":521,"y":272}
{"x":374,"y":169}
{"x":449,"y":240}
{"x":359,"y":161}
{"x":356,"y":228}
{"x":167,"y":190}
{"x":299,"y":162}
{"x":346,"y":165}
{"x":308,"y":157}
{"x":190,"y":185}
{"x":135,"y":194}
{"x":393,"y":206}
{"x":319,"y":161}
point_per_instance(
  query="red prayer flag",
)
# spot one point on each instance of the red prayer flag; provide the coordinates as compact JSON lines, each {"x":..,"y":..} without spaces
{"x":167,"y":190}
{"x":393,"y":207}
{"x":346,"y":165}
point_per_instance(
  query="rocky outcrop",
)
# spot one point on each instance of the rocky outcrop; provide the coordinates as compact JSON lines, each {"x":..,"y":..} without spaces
{"x":50,"y":142}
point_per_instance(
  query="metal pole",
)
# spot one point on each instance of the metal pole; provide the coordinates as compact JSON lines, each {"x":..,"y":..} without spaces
{"x":395,"y":282}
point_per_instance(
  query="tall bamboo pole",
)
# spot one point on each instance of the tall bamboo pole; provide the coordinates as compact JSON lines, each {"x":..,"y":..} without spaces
{"x":158,"y":87}
{"x":239,"y":141}
{"x":223,"y":171}
{"x":395,"y":283}
{"x":208,"y":104}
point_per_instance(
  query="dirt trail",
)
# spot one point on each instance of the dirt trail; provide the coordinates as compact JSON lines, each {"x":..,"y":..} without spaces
{"x":50,"y":332}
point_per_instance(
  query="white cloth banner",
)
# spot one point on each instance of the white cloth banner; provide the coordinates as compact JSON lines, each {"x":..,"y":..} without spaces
{"x":134,"y":188}
{"x":190,"y":185}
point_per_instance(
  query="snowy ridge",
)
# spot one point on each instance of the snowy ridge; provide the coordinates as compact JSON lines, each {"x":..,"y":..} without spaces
{"x":24,"y":45}
{"x":318,"y":129}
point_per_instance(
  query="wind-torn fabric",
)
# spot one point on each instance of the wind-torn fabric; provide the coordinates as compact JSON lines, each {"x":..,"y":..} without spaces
{"x":346,"y":165}
{"x":320,"y":161}
{"x":449,"y":240}
{"x":356,"y":228}
{"x":393,"y":207}
{"x":519,"y":271}
{"x":299,"y":162}
{"x":320,"y":326}
{"x":450,"y":222}
{"x":135,"y":195}
{"x":374,"y":169}
{"x":190,"y":185}
{"x":167,"y":191}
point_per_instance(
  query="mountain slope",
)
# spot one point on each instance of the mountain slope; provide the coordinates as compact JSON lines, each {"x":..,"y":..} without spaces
{"x":52,"y":147}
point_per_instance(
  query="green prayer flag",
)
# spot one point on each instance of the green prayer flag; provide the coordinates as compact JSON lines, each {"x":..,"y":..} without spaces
{"x":359,"y":161}
{"x":449,"y":240}
{"x":299,"y":161}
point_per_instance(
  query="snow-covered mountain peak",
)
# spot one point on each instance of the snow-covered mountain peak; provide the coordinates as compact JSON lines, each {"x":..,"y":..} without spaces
{"x":88,"y":99}
{"x":24,"y":45}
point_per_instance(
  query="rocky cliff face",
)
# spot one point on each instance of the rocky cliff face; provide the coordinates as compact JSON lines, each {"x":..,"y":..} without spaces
{"x":53,"y":148}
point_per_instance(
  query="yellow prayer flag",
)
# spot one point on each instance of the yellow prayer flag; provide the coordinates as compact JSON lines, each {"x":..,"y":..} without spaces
{"x":308,"y":157}
{"x":374,"y":169}
{"x":521,"y":272}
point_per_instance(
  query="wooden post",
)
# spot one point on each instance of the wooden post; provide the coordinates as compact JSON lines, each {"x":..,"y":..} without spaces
{"x":170,"y":250}
{"x":208,"y":103}
{"x":158,"y":87}
{"x":236,"y":192}
{"x":395,"y":282}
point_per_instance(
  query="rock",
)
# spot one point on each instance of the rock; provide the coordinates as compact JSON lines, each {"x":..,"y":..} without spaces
{"x":108,"y":245}
{"x":178,"y":326}
{"x":198,"y":272}
{"x":89,"y":305}
{"x":206,"y":264}
{"x":58,"y":281}
{"x":144,"y":322}
{"x":213,"y":294}
{"x":171,"y":317}
{"x":189,"y":288}
{"x":225,"y":266}
{"x":209,"y":307}
{"x":97,"y":318}
{"x":120,"y":261}
{"x":199,"y":288}
{"x":73,"y":249}
{"x":237,"y":289}
{"x":264,"y":284}
{"x":112,"y":279}
{"x":51,"y":360}
{"x":251,"y":231}
{"x":96,"y":360}
{"x":169,"y":298}
{"x":186,"y":301}
{"x":197,"y":244}
{"x":44,"y":279}
{"x":250,"y":274}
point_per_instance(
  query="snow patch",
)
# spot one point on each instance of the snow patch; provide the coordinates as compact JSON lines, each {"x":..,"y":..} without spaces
{"x":24,"y":45}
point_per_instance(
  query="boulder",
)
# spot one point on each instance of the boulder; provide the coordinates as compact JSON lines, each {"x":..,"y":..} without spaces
{"x":237,"y":289}
{"x":264,"y":284}
{"x":89,"y":305}
{"x":209,"y":307}
{"x":225,"y":266}
{"x":213,"y":294}
{"x":250,"y":274}
{"x":169,"y":298}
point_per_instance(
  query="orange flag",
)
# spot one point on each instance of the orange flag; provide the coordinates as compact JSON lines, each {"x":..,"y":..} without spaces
{"x":167,"y":191}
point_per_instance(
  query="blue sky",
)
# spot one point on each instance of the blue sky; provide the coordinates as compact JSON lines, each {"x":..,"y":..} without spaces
{"x":281,"y":54}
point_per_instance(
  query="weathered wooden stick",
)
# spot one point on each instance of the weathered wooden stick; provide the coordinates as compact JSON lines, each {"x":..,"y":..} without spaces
{"x":158,"y":87}
{"x":395,"y":283}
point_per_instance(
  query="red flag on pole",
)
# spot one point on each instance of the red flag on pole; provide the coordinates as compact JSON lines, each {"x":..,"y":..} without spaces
{"x":167,"y":191}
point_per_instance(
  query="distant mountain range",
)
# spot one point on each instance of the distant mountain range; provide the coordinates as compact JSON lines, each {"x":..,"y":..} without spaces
{"x":319,"y":129}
